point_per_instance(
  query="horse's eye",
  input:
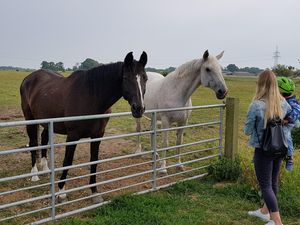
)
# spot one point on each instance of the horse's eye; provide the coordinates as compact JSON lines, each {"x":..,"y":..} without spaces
{"x":207,"y":70}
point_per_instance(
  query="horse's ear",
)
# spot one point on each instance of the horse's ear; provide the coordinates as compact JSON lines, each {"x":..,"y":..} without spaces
{"x":143,"y":59}
{"x":128,"y":59}
{"x":220,"y":55}
{"x":205,"y":55}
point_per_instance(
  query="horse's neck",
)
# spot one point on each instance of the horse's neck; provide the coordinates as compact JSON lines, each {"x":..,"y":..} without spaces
{"x":186,"y":79}
{"x":104,"y":88}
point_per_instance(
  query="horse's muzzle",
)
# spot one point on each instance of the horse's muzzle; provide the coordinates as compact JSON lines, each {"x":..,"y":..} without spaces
{"x":137,"y":110}
{"x":221,"y":94}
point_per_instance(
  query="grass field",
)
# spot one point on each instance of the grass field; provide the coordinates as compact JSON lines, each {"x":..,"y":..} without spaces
{"x":194,"y":202}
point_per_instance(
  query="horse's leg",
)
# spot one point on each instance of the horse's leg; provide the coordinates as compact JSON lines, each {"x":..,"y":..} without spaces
{"x":179,"y":139}
{"x":94,"y":157}
{"x":138,"y":129}
{"x":33,"y":141}
{"x":44,"y":141}
{"x":69,"y":155}
{"x":165,"y":143}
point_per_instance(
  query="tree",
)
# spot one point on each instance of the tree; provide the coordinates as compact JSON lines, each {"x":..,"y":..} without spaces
{"x":53,"y":66}
{"x":282,"y":70}
{"x":232,"y":68}
{"x":88,"y":64}
{"x":59,"y":67}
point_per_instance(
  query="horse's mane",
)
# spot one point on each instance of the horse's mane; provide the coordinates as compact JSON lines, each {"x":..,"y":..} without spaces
{"x":103,"y":74}
{"x":187,"y":68}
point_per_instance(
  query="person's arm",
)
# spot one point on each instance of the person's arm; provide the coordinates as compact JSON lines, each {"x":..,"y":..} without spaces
{"x":294,"y":113}
{"x":250,"y":120}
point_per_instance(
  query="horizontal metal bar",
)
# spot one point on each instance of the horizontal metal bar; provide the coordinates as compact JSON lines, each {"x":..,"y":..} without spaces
{"x":189,"y":162}
{"x":100,"y":116}
{"x":189,"y":126}
{"x":102,"y":172}
{"x":20,"y":202}
{"x":20,"y":150}
{"x":106,"y":138}
{"x":188,"y":153}
{"x":103,"y":193}
{"x":25,"y":214}
{"x":187,"y":145}
{"x":17,"y":177}
{"x":70,"y":213}
{"x":182,"y":172}
{"x":186,"y":179}
{"x":103,"y":160}
{"x":103,"y":182}
{"x":25,"y":188}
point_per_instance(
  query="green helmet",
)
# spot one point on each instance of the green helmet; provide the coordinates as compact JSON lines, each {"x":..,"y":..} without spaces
{"x":286,"y":85}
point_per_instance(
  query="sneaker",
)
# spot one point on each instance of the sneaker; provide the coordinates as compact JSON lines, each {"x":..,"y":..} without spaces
{"x":289,"y":163}
{"x":259,"y":214}
{"x":271,"y":222}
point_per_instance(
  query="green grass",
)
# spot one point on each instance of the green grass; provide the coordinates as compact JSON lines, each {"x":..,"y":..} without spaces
{"x":192,"y":202}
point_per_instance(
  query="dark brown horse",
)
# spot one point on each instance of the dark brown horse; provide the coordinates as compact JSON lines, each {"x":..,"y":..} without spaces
{"x":46,"y":94}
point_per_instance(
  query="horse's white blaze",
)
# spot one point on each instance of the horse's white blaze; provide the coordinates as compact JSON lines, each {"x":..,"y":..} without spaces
{"x":62,"y":196}
{"x":138,"y":78}
{"x":35,"y":170}
{"x":44,"y":164}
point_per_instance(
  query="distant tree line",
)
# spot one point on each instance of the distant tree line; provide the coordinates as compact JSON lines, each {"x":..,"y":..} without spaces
{"x":234,"y":68}
{"x":15,"y":68}
{"x":279,"y":70}
{"x":85,"y":65}
{"x":53,"y":66}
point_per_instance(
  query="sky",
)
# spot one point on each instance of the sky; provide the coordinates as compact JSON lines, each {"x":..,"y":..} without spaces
{"x":172,"y":32}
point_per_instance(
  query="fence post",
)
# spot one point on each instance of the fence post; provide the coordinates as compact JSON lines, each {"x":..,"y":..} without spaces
{"x":231,"y":127}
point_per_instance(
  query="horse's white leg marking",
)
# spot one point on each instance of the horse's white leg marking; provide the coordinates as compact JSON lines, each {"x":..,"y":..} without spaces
{"x":35,"y":170}
{"x":138,"y":78}
{"x":63,"y":196}
{"x":44,"y":164}
{"x":138,"y":129}
{"x":179,"y":142}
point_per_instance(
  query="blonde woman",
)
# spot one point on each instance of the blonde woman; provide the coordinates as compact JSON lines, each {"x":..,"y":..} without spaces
{"x":266,"y":104}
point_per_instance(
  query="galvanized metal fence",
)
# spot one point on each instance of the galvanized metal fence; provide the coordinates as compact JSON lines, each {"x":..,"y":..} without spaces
{"x":27,"y":202}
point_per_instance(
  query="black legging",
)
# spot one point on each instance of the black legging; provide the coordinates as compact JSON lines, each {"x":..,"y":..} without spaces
{"x":267,"y":172}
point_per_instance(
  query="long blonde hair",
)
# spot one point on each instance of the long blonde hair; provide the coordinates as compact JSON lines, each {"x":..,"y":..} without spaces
{"x":267,"y":90}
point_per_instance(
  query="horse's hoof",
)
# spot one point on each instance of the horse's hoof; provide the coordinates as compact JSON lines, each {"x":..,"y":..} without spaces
{"x":62,"y":199}
{"x":97,"y":199}
{"x":163,"y":171}
{"x":138,"y":151}
{"x":180,"y":168}
{"x":35,"y":178}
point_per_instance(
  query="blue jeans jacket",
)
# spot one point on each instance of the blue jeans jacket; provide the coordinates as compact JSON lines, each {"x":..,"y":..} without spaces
{"x":254,"y":124}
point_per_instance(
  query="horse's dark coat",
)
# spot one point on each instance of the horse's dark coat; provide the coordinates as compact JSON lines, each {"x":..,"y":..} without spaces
{"x":45,"y":94}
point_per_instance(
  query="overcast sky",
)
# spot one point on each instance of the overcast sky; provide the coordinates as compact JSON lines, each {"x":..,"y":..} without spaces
{"x":170,"y":31}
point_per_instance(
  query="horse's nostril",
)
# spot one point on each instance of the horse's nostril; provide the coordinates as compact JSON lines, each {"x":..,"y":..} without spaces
{"x":220,"y":92}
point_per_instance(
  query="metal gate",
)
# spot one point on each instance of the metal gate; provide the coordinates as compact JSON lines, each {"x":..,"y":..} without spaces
{"x":28,"y":202}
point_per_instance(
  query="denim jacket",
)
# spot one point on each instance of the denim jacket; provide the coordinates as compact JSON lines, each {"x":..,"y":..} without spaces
{"x":254,"y":124}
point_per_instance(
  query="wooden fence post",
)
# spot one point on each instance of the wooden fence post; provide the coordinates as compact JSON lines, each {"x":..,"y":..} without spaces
{"x":231,"y":127}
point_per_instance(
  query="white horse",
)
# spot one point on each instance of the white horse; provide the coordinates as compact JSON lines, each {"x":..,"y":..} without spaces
{"x":175,"y":91}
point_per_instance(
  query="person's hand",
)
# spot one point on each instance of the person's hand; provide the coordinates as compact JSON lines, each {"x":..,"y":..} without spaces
{"x":285,"y":122}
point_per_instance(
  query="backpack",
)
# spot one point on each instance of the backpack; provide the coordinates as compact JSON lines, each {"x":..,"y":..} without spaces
{"x":274,"y":142}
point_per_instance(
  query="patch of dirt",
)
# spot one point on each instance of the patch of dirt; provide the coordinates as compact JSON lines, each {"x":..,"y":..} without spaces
{"x":9,"y":113}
